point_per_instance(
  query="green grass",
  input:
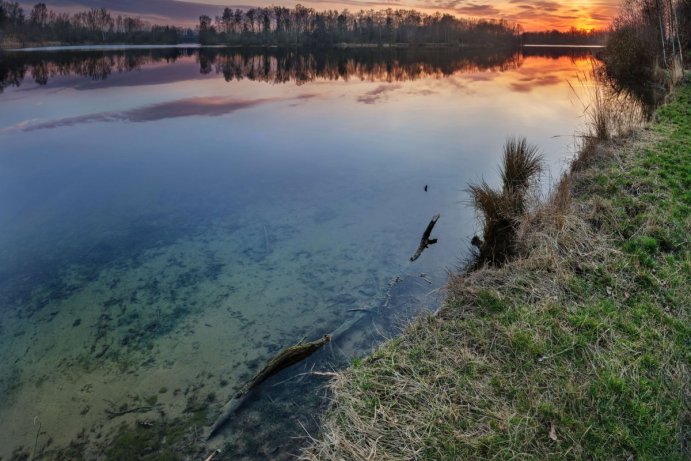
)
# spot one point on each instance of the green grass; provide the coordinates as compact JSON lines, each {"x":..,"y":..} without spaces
{"x":578,"y":350}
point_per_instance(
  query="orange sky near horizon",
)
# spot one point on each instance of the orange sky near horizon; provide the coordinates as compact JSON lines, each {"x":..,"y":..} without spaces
{"x":533,"y":15}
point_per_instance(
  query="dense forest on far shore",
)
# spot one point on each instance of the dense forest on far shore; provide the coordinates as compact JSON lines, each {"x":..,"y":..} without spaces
{"x":255,"y":26}
{"x":306,"y":26}
{"x":95,"y":26}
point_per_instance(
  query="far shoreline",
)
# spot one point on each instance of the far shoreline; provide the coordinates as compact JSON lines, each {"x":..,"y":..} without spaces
{"x":16,"y":47}
{"x":546,"y":45}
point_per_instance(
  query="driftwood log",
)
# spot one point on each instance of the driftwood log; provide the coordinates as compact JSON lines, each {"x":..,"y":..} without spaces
{"x":425,"y":241}
{"x":287,"y":357}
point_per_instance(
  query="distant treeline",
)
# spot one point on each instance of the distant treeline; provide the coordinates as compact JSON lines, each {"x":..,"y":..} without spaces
{"x":96,"y":25}
{"x":306,"y":26}
{"x":572,"y":37}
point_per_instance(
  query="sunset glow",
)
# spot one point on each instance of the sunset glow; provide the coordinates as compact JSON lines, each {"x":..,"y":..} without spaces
{"x":533,"y":15}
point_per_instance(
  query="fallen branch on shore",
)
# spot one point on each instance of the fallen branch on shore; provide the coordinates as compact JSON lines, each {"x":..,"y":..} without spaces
{"x":284,"y":359}
{"x":425,"y":241}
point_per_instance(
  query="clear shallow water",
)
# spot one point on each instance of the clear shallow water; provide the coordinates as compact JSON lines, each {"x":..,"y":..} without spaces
{"x":170,"y":219}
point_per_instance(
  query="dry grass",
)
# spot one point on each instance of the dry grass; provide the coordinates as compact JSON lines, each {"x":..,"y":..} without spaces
{"x":522,"y":163}
{"x":576,"y":350}
{"x":609,"y":113}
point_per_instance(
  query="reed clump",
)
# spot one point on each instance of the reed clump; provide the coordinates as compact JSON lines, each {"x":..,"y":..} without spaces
{"x":609,"y":113}
{"x":502,"y":210}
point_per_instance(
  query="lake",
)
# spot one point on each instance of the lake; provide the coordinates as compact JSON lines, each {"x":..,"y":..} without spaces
{"x":172,"y":218}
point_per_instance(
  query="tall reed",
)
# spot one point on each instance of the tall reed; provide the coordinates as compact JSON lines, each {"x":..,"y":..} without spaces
{"x":609,"y":112}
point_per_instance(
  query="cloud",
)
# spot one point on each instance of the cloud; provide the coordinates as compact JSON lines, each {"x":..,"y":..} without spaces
{"x":205,"y":106}
{"x":178,"y":11}
{"x":475,"y":9}
{"x":188,"y":12}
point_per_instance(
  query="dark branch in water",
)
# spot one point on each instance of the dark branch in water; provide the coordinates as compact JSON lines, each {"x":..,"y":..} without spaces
{"x":426,"y":241}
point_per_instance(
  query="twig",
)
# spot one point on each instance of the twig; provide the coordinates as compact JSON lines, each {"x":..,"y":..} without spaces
{"x":266,"y":240}
{"x":360,"y":309}
{"x":212,"y":455}
{"x":114,"y":414}
{"x":323,"y":374}
{"x":38,"y":432}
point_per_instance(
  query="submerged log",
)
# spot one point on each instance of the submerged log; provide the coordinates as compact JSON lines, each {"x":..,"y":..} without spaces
{"x":284,"y":359}
{"x":287,"y":357}
{"x":425,"y":241}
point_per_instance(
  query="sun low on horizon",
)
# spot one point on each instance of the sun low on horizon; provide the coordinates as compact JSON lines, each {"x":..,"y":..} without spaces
{"x":532,"y":15}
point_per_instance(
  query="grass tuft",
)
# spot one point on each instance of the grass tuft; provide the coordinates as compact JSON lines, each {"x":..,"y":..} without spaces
{"x":521,"y":164}
{"x":502,"y":211}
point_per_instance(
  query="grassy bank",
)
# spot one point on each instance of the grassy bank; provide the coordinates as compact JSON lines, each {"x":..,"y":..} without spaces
{"x":578,"y":349}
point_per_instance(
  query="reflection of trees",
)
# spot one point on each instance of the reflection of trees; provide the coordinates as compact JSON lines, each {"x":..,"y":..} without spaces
{"x":559,"y":52}
{"x":390,"y":65}
{"x":97,"y":65}
{"x":277,"y":65}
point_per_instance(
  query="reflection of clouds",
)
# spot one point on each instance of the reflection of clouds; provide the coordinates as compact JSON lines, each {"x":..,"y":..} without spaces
{"x":527,"y":84}
{"x":422,"y":92}
{"x":378,"y":94}
{"x":540,"y":73}
{"x":203,"y":106}
{"x":465,"y":82}
{"x":481,"y":77}
{"x":534,"y":73}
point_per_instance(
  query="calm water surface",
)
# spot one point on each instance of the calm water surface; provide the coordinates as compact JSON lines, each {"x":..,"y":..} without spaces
{"x":170,"y":219}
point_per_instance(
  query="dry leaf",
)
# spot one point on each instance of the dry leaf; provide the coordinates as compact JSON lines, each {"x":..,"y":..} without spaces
{"x":553,"y":432}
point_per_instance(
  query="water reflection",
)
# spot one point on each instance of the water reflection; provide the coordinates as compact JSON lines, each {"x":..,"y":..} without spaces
{"x":167,"y":226}
{"x":206,"y":106}
{"x":273,"y":65}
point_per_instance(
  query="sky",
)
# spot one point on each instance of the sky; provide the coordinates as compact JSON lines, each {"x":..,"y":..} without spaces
{"x":531,"y":14}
